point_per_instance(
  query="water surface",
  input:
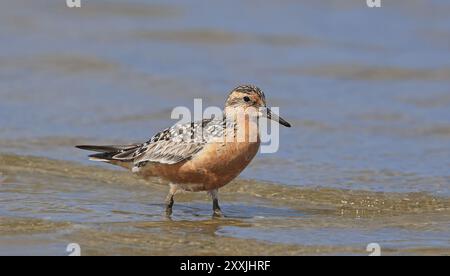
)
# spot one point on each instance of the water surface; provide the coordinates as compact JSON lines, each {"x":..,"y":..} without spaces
{"x":367,"y":90}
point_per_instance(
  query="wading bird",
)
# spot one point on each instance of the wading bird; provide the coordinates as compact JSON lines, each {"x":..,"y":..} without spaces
{"x":198,"y":156}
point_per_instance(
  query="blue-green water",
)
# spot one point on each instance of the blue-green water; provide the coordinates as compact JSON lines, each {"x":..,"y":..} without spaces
{"x":367,"y":90}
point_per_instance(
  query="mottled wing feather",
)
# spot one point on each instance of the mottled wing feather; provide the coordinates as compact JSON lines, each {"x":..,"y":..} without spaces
{"x":176,"y":144}
{"x":169,"y":152}
{"x":173,"y":145}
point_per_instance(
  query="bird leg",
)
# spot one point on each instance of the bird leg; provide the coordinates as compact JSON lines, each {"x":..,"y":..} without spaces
{"x":215,"y":198}
{"x":169,"y":199}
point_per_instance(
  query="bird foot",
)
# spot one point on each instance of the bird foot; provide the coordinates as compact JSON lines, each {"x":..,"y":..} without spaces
{"x":168,"y":211}
{"x":217,"y":213}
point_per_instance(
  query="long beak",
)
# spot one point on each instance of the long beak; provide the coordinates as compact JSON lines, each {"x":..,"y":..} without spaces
{"x":276,"y":118}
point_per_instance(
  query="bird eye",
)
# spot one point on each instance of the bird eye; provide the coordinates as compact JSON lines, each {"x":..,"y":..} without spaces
{"x":246,"y":99}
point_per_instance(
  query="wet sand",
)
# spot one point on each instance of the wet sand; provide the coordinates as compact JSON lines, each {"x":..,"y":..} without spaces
{"x":47,"y":204}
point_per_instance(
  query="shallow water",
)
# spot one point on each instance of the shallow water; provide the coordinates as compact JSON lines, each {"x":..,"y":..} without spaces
{"x":112,"y":212}
{"x":368,"y":93}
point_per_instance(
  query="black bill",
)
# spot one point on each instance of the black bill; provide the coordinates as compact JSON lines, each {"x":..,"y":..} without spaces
{"x":276,"y":118}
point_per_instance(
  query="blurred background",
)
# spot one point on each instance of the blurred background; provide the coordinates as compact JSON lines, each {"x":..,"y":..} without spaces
{"x":366,"y":89}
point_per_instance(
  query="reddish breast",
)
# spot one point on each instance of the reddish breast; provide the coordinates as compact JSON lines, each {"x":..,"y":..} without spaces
{"x":214,"y":166}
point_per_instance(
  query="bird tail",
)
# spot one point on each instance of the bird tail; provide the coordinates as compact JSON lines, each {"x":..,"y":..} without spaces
{"x":110,"y":152}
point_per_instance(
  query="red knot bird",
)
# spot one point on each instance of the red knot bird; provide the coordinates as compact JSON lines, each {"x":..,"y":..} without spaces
{"x":199,"y":156}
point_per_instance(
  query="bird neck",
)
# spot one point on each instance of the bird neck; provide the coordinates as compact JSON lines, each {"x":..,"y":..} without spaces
{"x":246,"y":127}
